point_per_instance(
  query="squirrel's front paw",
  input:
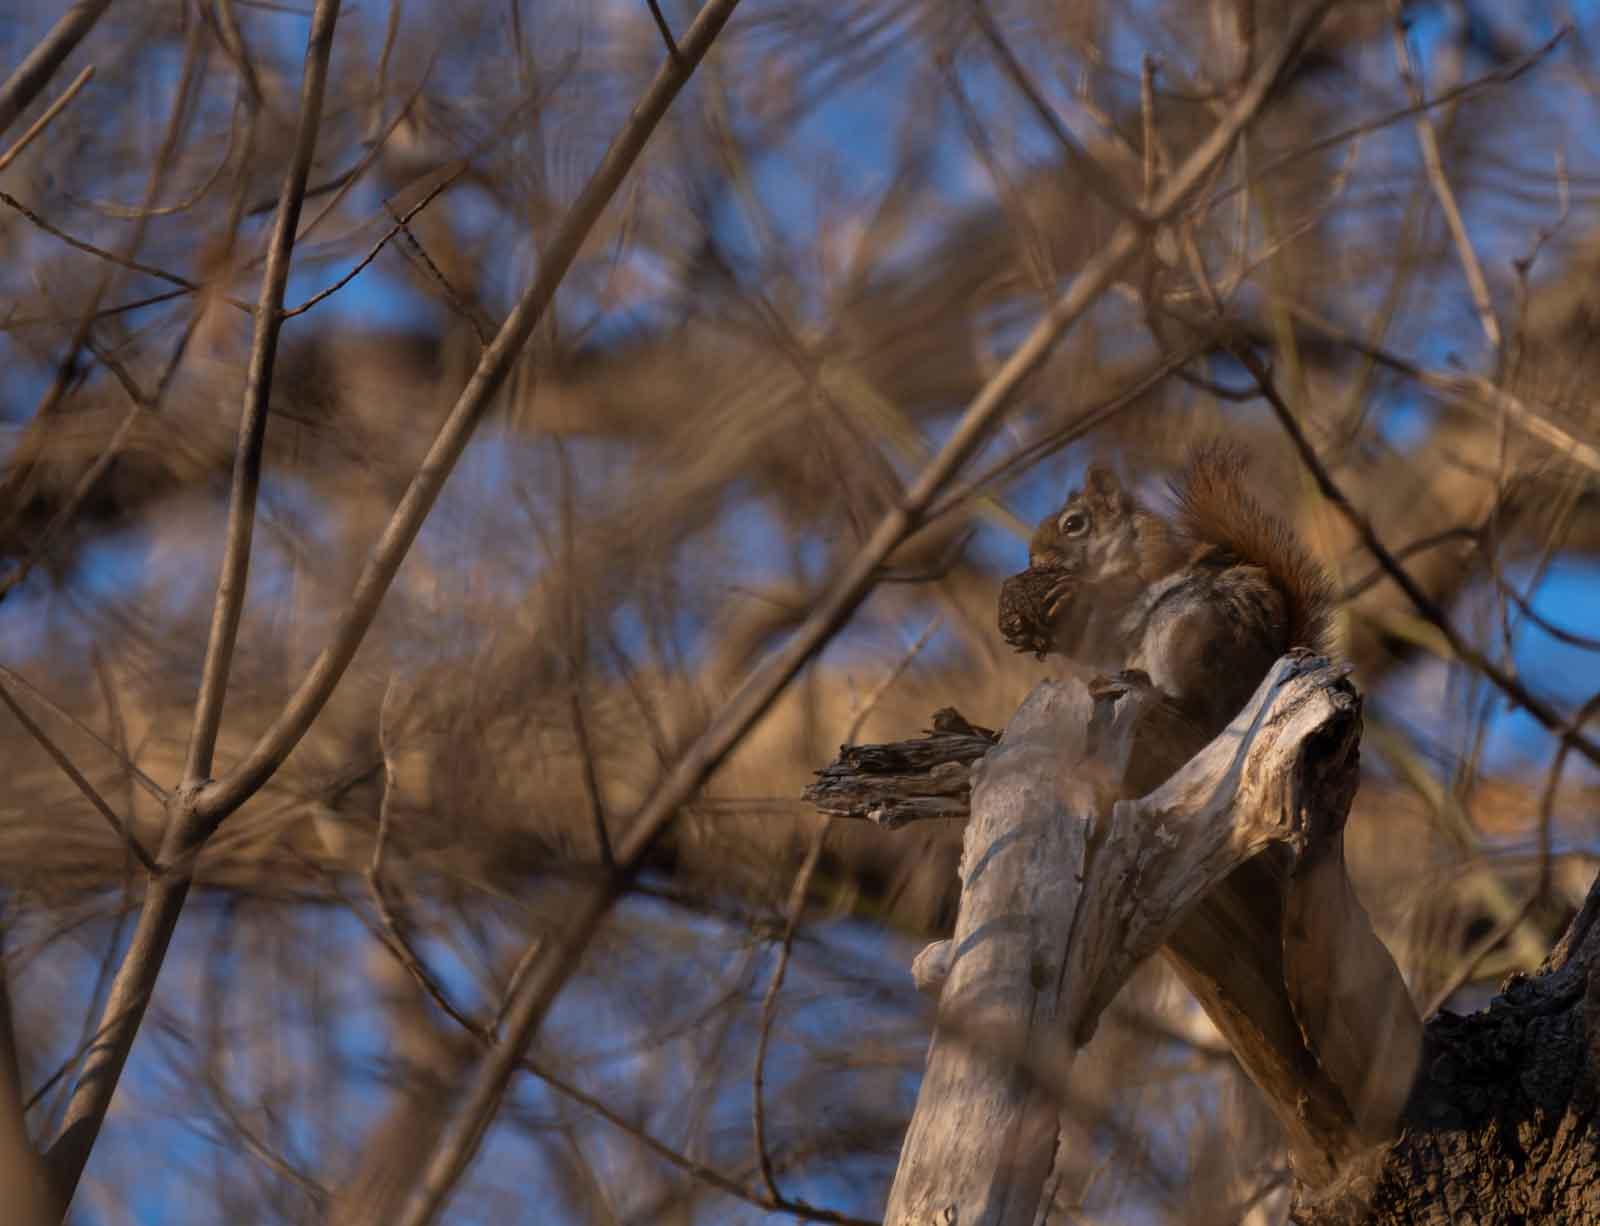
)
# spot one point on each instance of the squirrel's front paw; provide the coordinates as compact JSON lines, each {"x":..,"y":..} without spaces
{"x":1115,"y":685}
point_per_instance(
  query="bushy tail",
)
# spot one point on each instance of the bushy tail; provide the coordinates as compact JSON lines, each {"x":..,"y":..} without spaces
{"x":1215,"y":508}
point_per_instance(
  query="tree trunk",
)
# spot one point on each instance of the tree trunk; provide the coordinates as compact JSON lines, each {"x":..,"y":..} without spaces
{"x":1235,"y":863}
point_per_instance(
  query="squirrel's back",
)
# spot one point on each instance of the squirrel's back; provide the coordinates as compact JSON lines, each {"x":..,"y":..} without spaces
{"x":1214,"y":508}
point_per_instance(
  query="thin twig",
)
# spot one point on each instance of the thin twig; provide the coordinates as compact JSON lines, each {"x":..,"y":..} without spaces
{"x":372,"y":253}
{"x":1433,"y":163}
{"x":389,"y":931}
{"x":1424,"y":604}
{"x":1432,"y":541}
{"x":132,"y":265}
{"x":43,"y":122}
{"x":870,"y":703}
{"x":591,"y":780}
{"x":514,"y":984}
{"x":78,"y":780}
{"x":137,"y":304}
{"x":461,"y":1138}
{"x":77,"y":1054}
{"x":1569,"y":637}
{"x":482,"y":326}
{"x":1148,"y":378}
{"x":246,"y":482}
{"x":1469,"y":964}
{"x":1148,"y":138}
{"x":386,"y":931}
{"x":769,"y":1007}
{"x":689,"y":1166}
{"x":666,"y":30}
{"x":39,"y":696}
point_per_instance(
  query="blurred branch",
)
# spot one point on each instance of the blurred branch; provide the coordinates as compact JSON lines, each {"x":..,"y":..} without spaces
{"x":698,"y":1170}
{"x":462,"y":1137}
{"x":870,"y":703}
{"x":1149,"y":376}
{"x":1474,"y":391}
{"x":132,"y":265}
{"x":1499,"y":76}
{"x":216,"y":800}
{"x":139,"y":777}
{"x":769,"y":1008}
{"x":78,"y":780}
{"x":22,"y":462}
{"x":139,"y":404}
{"x":29,"y":1197}
{"x":31,"y":76}
{"x":1433,"y":163}
{"x":43,"y":122}
{"x":1425,"y":605}
{"x":1093,"y":175}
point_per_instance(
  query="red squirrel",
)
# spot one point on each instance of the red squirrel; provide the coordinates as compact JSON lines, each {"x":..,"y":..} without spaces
{"x":1201,"y":602}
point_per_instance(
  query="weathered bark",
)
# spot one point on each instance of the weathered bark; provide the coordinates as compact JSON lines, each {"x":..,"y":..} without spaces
{"x":982,"y":1140}
{"x":1502,"y":1125}
{"x":905,"y":781}
{"x":1236,"y":863}
{"x":1501,"y":1121}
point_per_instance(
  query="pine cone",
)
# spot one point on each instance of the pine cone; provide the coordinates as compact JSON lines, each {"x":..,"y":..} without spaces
{"x":1027,"y":602}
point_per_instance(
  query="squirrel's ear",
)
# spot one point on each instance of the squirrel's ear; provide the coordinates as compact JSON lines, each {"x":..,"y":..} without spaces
{"x":1101,"y":484}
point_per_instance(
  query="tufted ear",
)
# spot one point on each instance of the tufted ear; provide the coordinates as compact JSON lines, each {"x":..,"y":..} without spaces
{"x":1101,"y":487}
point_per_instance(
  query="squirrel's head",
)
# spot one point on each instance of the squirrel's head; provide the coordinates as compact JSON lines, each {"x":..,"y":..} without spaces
{"x":1095,"y":535}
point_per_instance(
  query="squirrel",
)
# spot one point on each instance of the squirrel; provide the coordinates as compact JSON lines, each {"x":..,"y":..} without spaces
{"x":1199,"y":605}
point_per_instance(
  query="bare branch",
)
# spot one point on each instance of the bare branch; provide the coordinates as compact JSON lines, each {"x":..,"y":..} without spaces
{"x":218,"y":799}
{"x":158,"y":917}
{"x":34,"y":73}
{"x":253,"y":419}
{"x":698,"y":1170}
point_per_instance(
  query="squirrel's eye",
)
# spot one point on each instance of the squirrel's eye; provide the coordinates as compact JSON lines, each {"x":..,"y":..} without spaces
{"x":1074,"y":523}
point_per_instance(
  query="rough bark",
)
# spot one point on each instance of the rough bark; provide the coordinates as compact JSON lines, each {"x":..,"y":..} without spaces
{"x":905,"y":781}
{"x":1502,"y":1124}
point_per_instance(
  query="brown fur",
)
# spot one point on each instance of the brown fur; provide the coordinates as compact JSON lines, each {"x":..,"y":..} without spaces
{"x":1216,"y":511}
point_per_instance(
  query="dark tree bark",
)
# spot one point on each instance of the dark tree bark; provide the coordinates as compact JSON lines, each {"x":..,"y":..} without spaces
{"x":1501,"y":1125}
